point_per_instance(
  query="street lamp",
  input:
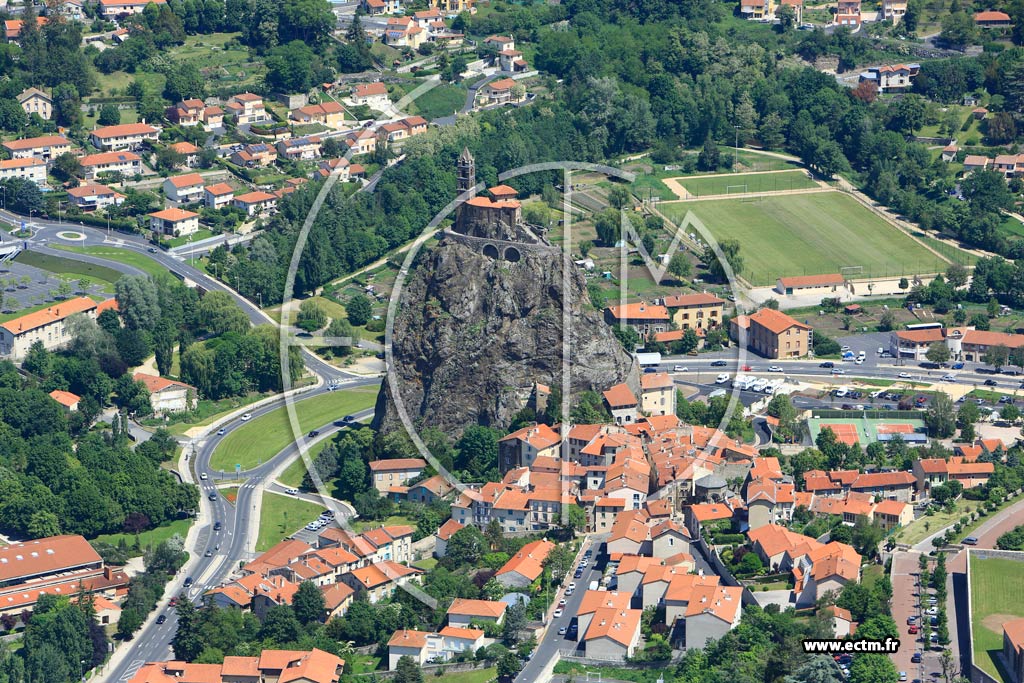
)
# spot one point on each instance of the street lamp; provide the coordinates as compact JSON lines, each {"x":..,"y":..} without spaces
{"x":736,"y":149}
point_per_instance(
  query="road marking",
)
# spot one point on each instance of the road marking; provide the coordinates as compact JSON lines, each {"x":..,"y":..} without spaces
{"x":132,"y":668}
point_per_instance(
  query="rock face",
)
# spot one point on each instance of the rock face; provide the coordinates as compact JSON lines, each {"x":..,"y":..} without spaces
{"x":478,"y":326}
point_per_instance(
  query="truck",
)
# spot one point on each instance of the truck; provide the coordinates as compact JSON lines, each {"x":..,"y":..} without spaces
{"x":593,"y":585}
{"x":741,"y":382}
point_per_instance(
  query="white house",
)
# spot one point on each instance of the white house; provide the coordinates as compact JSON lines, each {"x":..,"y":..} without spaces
{"x":27,"y":169}
{"x":184,"y":189}
{"x":92,"y":196}
{"x":124,"y":136}
{"x":125,"y":163}
{"x":166,"y":395}
{"x":218,"y":195}
{"x":174,"y":222}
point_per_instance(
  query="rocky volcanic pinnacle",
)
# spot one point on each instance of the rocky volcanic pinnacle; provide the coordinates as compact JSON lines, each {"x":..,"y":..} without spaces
{"x":473,"y":333}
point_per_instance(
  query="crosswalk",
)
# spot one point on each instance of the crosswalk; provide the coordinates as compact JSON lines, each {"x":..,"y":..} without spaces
{"x":132,"y":669}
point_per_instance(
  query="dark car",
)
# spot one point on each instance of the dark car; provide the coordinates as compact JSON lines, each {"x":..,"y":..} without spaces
{"x":648,"y":371}
{"x":991,"y":383}
{"x":349,"y":418}
{"x":916,"y":658}
{"x":217,"y":526}
{"x":313,"y":434}
{"x":212,"y":496}
{"x":151,"y":250}
{"x":188,"y":581}
{"x":719,"y":363}
{"x":161,"y":619}
{"x":827,"y":364}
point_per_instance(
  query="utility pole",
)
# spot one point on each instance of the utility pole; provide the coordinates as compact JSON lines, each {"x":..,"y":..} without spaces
{"x":736,"y":149}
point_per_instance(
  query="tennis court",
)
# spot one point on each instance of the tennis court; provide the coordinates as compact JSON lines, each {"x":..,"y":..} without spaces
{"x":865,"y":430}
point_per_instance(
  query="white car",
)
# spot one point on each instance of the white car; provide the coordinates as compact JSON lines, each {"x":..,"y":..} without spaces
{"x":844,"y":348}
{"x":572,"y":585}
{"x":722,"y":379}
{"x":904,"y":375}
{"x":680,"y":368}
{"x":246,"y":417}
{"x":948,"y":378}
{"x":204,"y":476}
{"x":775,"y":368}
{"x":859,"y":361}
{"x":558,"y":613}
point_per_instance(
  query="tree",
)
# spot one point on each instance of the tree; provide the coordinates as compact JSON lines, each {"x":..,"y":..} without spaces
{"x":188,"y":640}
{"x":710,"y":158}
{"x":38,"y":360}
{"x":679,"y":265}
{"x":996,"y":356}
{"x":110,"y":115}
{"x":137,"y":301}
{"x":515,"y":620}
{"x":872,"y":668}
{"x":128,"y":624}
{"x":956,"y":275}
{"x":66,"y":166}
{"x":508,"y":666}
{"x":465,"y":548}
{"x":559,"y":562}
{"x":311,"y":316}
{"x":966,"y":416}
{"x":887,"y":322}
{"x":818,"y":669}
{"x":407,"y":671}
{"x":576,"y":518}
{"x":938,"y":353}
{"x":290,"y":67}
{"x":958,"y":29}
{"x":308,"y":603}
{"x":940,"y":418}
{"x":730,"y":249}
{"x":67,"y":106}
{"x":359,"y":310}
{"x":787,"y":18}
{"x":477,"y":451}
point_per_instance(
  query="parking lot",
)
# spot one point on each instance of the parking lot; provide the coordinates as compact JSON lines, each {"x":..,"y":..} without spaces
{"x":25,"y":286}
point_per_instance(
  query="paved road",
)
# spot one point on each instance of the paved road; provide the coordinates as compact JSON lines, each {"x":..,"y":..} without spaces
{"x":228,"y":547}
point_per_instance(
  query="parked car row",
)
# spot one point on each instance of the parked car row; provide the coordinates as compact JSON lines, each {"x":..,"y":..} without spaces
{"x":320,"y":522}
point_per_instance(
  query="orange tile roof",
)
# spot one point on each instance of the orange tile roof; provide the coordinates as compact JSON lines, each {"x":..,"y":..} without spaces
{"x":540,"y":436}
{"x":699,"y":299}
{"x":1014,"y":630}
{"x":707,"y":512}
{"x":776,"y":322}
{"x":477,"y":608}
{"x":638,"y":311}
{"x":720,"y":601}
{"x":528,"y":562}
{"x":473,"y":634}
{"x":682,"y":586}
{"x":155,"y":383}
{"x":620,"y":625}
{"x":876,"y":479}
{"x":991,"y":15}
{"x":893,"y":508}
{"x":108,"y":158}
{"x":187,"y":180}
{"x":409,"y":638}
{"x":812,"y":280}
{"x":655,"y":380}
{"x":619,"y":396}
{"x":381,"y":573}
{"x":33,"y":143}
{"x":335,"y":594}
{"x":219,"y":189}
{"x":65,"y":398}
{"x":987,"y":338}
{"x":124,"y":129}
{"x":174,"y":214}
{"x":45,"y":556}
{"x":397,"y":464}
{"x":254,"y":197}
{"x":48,"y":315}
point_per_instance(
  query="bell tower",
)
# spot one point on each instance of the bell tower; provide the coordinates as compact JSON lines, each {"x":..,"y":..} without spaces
{"x":467,"y":171}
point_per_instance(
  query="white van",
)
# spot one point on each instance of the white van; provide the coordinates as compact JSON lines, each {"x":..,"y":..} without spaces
{"x":841,"y":392}
{"x":722,"y":378}
{"x":593,"y":585}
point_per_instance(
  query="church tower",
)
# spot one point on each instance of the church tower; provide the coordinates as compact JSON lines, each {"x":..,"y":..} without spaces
{"x":467,"y":171}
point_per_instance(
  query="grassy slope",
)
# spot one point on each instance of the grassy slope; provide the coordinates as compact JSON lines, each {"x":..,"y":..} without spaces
{"x":281,"y":516}
{"x":68,"y":267}
{"x":125,"y":256}
{"x":266,"y":436}
{"x":808,"y":234}
{"x":150,"y":537}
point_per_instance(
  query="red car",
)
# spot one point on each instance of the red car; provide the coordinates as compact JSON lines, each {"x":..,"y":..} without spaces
{"x":746,"y":368}
{"x":912,"y":630}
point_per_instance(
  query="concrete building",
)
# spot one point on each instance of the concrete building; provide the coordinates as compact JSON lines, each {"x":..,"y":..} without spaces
{"x":657,"y":394}
{"x":700,"y":311}
{"x":92,"y":196}
{"x":166,"y":395}
{"x":35,"y":101}
{"x":184,"y":189}
{"x":218,"y":196}
{"x":30,"y":169}
{"x":48,"y":326}
{"x":174,"y":222}
{"x":773,"y":334}
{"x":124,"y":163}
{"x":124,"y":136}
{"x":622,"y":404}
{"x":46,"y":148}
{"x":395,"y":472}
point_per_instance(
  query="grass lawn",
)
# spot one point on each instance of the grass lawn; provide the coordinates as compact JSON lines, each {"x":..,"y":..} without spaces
{"x":356,"y":663}
{"x":126,"y":256}
{"x":994,"y":582}
{"x":207,"y":412}
{"x":477,"y":676}
{"x":440,"y":101}
{"x":198,"y":236}
{"x":281,"y":516}
{"x":426,"y":564}
{"x":745,"y":182}
{"x":66,"y":266}
{"x":264,"y":437}
{"x":120,"y":80}
{"x":808,"y":234}
{"x":294,"y":473}
{"x":230,"y":494}
{"x":915,"y":531}
{"x":151,"y":537}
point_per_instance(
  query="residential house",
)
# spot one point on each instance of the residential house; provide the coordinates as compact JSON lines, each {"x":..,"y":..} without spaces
{"x":522,"y":447}
{"x":187,"y":112}
{"x":499,"y":92}
{"x":824,"y":569}
{"x":189,"y":151}
{"x":46,"y":325}
{"x":299,"y":148}
{"x":464,"y":612}
{"x":798,"y":9}
{"x":13,"y":27}
{"x":124,"y":136}
{"x":893,"y":10}
{"x":712,"y":611}
{"x":330,"y":114}
{"x":949,"y":152}
{"x":174,"y":222}
{"x":890,"y":78}
{"x":124,"y":163}
{"x":914,"y":343}
{"x":395,"y":472}
{"x":166,"y":395}
{"x":218,"y":195}
{"x":282,"y":666}
{"x":657,"y":394}
{"x":891,"y":514}
{"x":773,"y":334}
{"x":848,"y":14}
{"x":889,"y":485}
{"x":362,"y":141}
{"x":429,"y":490}
{"x":47,"y":148}
{"x":35,"y":101}
{"x":117,"y":9}
{"x":92,"y":196}
{"x":425,"y":647}
{"x":425,"y":18}
{"x":184,"y":189}
{"x":247,"y":108}
{"x":404,"y":32}
{"x":992,"y":19}
{"x":976,"y":343}
{"x":622,"y":404}
{"x":929,"y":472}
{"x":373,"y":95}
{"x":453,"y":7}
{"x":28,"y":168}
{"x":254,"y":156}
{"x":695,"y":311}
{"x":255,"y":203}
{"x":806,"y":284}
{"x":381,"y":579}
{"x":645,"y":318}
{"x":444,"y":534}
{"x":757,"y":10}
{"x":525,"y":566}
{"x":344,"y":169}
{"x":213,"y":117}
{"x":376,"y":7}
{"x":499,"y":43}
{"x":612,"y":634}
{"x":512,"y":60}
{"x":976,"y":162}
{"x":67,"y":399}
{"x":769,"y":502}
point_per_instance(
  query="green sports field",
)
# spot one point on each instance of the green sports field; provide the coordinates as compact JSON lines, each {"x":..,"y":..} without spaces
{"x":809,"y":234}
{"x":738,"y":183}
{"x":995,"y":599}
